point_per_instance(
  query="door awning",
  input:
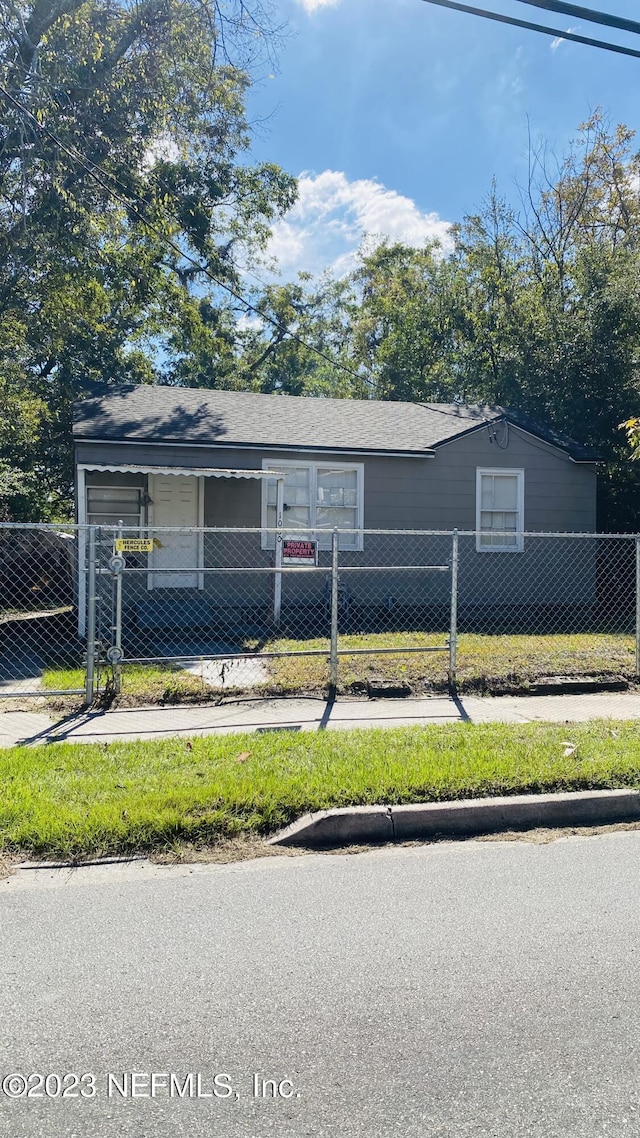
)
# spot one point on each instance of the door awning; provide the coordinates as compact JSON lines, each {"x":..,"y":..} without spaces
{"x":182,"y":471}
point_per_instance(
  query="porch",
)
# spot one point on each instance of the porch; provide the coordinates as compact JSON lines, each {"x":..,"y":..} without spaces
{"x":138,"y":500}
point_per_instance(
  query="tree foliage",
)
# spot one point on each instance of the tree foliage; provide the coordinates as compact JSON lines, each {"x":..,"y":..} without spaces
{"x":535,"y":307}
{"x":152,"y":93}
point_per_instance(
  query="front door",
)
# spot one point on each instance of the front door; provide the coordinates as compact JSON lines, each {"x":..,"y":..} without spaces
{"x":176,"y":500}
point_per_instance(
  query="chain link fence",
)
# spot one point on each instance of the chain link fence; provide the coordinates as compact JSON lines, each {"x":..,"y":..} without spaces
{"x":227,"y":605}
{"x":182,"y":612}
{"x":40,"y":651}
{"x":557,"y":583}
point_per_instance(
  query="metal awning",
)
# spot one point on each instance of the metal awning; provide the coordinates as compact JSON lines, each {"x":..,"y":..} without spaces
{"x":197,"y":471}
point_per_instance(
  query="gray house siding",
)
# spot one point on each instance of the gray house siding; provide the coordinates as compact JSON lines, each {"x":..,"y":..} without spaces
{"x":560,"y":494}
{"x":413,"y":493}
{"x":559,"y":497}
{"x":419,"y":463}
{"x":399,"y":493}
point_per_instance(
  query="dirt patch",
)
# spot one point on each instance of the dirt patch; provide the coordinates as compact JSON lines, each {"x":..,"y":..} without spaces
{"x":542,"y":836}
{"x":7,"y":866}
{"x":56,"y":706}
{"x":240,"y":848}
{"x":246,"y":848}
{"x":543,"y":685}
{"x":196,"y":693}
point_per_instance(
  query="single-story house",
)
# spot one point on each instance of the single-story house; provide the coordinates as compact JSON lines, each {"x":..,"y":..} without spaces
{"x":155,"y":457}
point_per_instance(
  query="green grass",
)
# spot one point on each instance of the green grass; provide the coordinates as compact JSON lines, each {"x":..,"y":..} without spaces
{"x":75,"y":800}
{"x":485,"y":664}
{"x":142,"y":683}
{"x":56,"y":678}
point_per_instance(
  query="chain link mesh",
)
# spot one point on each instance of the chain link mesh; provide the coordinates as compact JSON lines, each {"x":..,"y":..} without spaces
{"x":206,"y":603}
{"x":39,"y":647}
{"x":555,"y":584}
{"x":212,"y":610}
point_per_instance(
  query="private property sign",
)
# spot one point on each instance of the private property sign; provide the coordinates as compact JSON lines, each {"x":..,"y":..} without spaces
{"x":296,"y":552}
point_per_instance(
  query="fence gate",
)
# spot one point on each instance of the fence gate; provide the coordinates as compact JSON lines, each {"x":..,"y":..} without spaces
{"x":236,"y":608}
{"x":289,"y":610}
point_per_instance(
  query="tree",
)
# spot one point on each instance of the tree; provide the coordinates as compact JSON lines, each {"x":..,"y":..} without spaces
{"x":387,"y":330}
{"x":537,"y":308}
{"x":301,"y":343}
{"x":404,"y":330}
{"x":562,"y":339}
{"x":97,"y":276}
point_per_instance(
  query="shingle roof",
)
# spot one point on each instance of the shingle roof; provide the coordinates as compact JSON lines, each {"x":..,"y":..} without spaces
{"x":177,"y":414}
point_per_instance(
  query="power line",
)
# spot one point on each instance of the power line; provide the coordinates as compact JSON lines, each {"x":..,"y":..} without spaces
{"x":589,"y":14}
{"x":97,"y":173}
{"x":534,"y":27}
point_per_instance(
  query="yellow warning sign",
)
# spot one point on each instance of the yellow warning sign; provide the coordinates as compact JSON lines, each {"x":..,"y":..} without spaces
{"x":135,"y":544}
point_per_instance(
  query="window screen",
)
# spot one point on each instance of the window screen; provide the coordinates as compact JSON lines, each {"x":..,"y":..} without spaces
{"x":318,"y":497}
{"x":337,"y":502}
{"x":297,"y":499}
{"x":499,"y":513}
{"x":109,"y":505}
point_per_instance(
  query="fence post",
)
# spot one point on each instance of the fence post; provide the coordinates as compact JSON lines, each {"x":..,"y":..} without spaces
{"x":333,"y":658}
{"x":117,"y":638}
{"x":91,"y":618}
{"x":277,"y":582}
{"x":453,"y":626}
{"x":637,"y":607}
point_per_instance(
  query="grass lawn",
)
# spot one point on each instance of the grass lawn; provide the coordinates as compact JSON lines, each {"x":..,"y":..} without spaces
{"x":485,"y":664}
{"x":78,"y":800}
{"x":142,"y":683}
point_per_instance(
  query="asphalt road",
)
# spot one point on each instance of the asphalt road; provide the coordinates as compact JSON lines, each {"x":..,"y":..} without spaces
{"x":481,"y":988}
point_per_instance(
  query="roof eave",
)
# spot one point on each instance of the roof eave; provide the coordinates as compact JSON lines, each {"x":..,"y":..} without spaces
{"x":574,"y":455}
{"x":287,"y":448}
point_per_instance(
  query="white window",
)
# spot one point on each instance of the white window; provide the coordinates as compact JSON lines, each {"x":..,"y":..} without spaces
{"x":109,"y":505}
{"x":499,"y":511}
{"x":318,"y":496}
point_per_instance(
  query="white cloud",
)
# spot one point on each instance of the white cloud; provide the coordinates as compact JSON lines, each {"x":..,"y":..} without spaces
{"x":555,"y":44}
{"x":163,"y":149}
{"x":312,"y":5}
{"x":332,"y":217}
{"x":249,"y":322}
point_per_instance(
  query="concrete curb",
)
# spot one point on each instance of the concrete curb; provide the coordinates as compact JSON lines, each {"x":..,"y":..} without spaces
{"x":359,"y":824}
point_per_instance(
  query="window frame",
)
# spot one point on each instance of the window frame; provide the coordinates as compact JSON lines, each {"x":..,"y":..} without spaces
{"x":518,"y":473}
{"x":95,"y":486}
{"x":322,"y":535}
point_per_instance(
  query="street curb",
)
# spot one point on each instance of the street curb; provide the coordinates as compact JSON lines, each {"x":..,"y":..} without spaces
{"x":359,"y":824}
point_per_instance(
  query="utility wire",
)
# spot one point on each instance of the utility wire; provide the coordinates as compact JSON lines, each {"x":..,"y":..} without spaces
{"x":98,"y":174}
{"x":534,"y":27}
{"x":590,"y":14}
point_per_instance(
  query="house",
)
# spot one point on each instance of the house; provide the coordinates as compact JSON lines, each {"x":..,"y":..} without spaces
{"x":154,"y":457}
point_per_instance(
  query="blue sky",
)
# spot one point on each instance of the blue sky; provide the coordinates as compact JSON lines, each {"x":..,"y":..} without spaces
{"x":397,"y":114}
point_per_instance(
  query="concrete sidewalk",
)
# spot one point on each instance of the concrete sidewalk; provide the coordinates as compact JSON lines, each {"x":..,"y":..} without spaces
{"x":310,"y":714}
